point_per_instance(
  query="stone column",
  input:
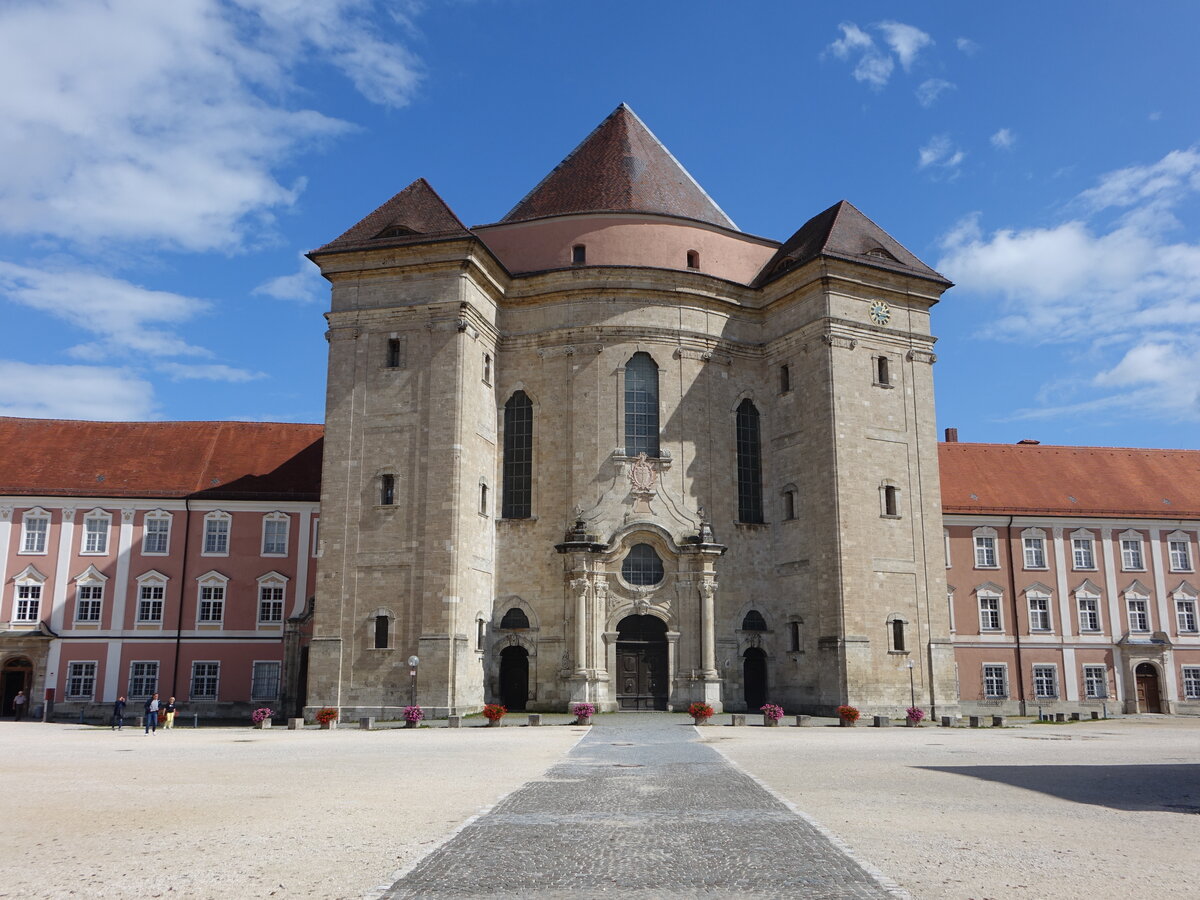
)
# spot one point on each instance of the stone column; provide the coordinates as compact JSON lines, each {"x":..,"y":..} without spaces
{"x":579,"y":587}
{"x":708,"y":650}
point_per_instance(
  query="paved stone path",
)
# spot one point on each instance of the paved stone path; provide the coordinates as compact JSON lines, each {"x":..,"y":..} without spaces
{"x":641,"y":808}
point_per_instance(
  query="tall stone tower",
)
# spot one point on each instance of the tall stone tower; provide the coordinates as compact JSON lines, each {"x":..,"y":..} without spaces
{"x":611,"y":448}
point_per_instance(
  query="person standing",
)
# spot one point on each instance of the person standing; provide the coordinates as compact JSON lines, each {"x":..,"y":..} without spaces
{"x":118,"y":715}
{"x":170,"y":709}
{"x":152,"y":714}
{"x":19,"y":703}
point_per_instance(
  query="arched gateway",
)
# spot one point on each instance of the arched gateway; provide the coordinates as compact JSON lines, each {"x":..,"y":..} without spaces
{"x":642,"y":663}
{"x":514,"y":677}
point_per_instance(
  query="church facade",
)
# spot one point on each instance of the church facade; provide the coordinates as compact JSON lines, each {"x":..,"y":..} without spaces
{"x":612,"y":449}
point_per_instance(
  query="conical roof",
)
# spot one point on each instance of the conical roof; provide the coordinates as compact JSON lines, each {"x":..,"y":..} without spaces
{"x":415,"y":214}
{"x":844,"y":233}
{"x":620,"y":167}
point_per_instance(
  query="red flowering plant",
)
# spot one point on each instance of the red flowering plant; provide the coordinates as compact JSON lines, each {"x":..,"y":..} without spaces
{"x":914,"y":714}
{"x":413,"y":714}
{"x":771,"y":711}
{"x":494,"y":712}
{"x":326,"y":714}
{"x":700,"y":710}
{"x":849,"y":713}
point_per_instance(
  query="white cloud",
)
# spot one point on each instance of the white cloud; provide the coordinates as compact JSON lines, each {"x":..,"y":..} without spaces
{"x":73,"y":392}
{"x":305,"y":285}
{"x":207,"y":372}
{"x":939,"y":151}
{"x":967,"y":46}
{"x":906,"y":41}
{"x":1003,"y":139}
{"x":151,"y":121}
{"x":932,"y":88}
{"x":1111,"y":284}
{"x":873,"y":67}
{"x":853,"y":39}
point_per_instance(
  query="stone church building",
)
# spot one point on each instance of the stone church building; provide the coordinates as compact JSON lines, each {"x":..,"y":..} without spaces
{"x":611,"y":448}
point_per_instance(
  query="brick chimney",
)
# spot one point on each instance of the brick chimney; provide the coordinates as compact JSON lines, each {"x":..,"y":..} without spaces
{"x":951,"y":435}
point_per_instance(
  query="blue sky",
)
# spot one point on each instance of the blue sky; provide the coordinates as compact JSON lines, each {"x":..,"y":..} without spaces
{"x":166,"y":165}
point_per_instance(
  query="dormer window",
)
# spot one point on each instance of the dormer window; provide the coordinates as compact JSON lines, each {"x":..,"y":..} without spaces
{"x":578,"y":255}
{"x":880,"y":253}
{"x":693,"y":259}
{"x":393,"y":231}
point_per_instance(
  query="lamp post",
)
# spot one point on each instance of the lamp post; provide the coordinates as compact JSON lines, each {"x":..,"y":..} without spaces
{"x":413,"y":662}
{"x":912,"y":690}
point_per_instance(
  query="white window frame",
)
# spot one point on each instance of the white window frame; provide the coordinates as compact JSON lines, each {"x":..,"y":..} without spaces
{"x":1185,"y":614}
{"x":85,"y":672}
{"x":157,"y":516}
{"x":258,"y":695}
{"x":1191,"y":682}
{"x":985,"y":544}
{"x":1138,"y":615}
{"x":271,"y":581}
{"x":216,"y":679}
{"x":1033,"y":548}
{"x":150,"y":580}
{"x":39,"y":536}
{"x":216,"y":539}
{"x":1041,"y":679}
{"x":1003,"y":670}
{"x":94,"y":541}
{"x":989,"y":612}
{"x":1179,"y":551}
{"x":1094,"y":674}
{"x":1133,"y":559}
{"x":275,"y":519}
{"x":1083,"y":558}
{"x":1041,"y":619}
{"x":211,"y":581}
{"x":89,"y":581}
{"x":316,"y":537}
{"x":1094,"y":599}
{"x":133,"y":664}
{"x":33,"y":583}
{"x":946,"y":542}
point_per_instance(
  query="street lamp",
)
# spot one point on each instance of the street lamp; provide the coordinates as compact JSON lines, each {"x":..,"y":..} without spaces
{"x":912,"y":690}
{"x":412,"y":674}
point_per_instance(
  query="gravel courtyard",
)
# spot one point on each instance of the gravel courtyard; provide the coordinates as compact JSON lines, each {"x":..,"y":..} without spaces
{"x":1094,"y":809}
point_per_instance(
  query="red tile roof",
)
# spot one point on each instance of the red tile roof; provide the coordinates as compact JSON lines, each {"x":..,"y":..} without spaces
{"x":1027,"y":479}
{"x":620,"y":167}
{"x":414,"y":215}
{"x":217,"y":460}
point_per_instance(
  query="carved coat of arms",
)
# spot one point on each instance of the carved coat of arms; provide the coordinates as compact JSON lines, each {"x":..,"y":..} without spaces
{"x":642,"y":475}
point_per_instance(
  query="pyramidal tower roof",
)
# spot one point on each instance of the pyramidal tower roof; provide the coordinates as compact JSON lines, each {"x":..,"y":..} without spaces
{"x":620,"y":167}
{"x":415,"y":214}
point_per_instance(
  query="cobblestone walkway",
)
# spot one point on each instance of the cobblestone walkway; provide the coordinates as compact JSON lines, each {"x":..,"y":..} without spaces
{"x":640,"y":808}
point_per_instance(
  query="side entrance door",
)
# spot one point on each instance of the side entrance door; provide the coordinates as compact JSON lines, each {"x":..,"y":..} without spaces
{"x":1147,"y":689}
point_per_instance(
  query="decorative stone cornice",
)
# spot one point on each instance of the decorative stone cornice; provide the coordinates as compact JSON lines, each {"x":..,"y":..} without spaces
{"x":925,"y":356}
{"x":837,"y":340}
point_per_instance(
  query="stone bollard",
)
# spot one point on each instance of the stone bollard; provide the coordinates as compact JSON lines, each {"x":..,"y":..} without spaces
{"x":976,"y":721}
{"x":947,"y":721}
{"x":997,"y":721}
{"x":803,"y":721}
{"x":738,"y":719}
{"x":1060,"y":717}
{"x":535,"y":718}
{"x":295,"y":724}
{"x":453,"y":721}
{"x":1045,"y":717}
{"x":1095,"y":714}
{"x":1075,"y":717}
{"x":265,"y":723}
{"x":366,"y":723}
{"x":881,"y":721}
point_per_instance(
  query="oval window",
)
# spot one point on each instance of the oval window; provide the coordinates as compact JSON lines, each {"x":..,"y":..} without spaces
{"x":642,"y":566}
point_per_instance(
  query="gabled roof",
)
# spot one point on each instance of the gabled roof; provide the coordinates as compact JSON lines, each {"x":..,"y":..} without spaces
{"x":620,"y":167}
{"x":1027,"y":479}
{"x":844,"y":233}
{"x":217,"y":460}
{"x":414,"y":215}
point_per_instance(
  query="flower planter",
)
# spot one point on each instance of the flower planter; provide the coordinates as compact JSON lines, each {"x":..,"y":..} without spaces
{"x":410,"y":724}
{"x":583,"y":720}
{"x":913,"y":723}
{"x":847,"y":723}
{"x":265,"y":723}
{"x":493,"y":723}
{"x":699,"y":720}
{"x":769,"y":722}
{"x":325,"y":726}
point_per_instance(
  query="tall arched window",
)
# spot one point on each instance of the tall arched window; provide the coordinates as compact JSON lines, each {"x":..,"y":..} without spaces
{"x":517,"y":501}
{"x":749,"y":464}
{"x":641,"y":406}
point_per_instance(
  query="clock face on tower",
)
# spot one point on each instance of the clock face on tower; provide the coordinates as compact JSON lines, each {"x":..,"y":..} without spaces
{"x":881,"y":313}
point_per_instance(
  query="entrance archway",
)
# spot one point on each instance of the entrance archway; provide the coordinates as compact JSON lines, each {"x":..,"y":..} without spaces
{"x":514,"y":677}
{"x":754,"y":678}
{"x":1147,"y":688}
{"x":17,"y":675}
{"x":642,"y":663}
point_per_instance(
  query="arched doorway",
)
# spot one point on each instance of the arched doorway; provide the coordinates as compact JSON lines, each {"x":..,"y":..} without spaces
{"x":17,"y":676}
{"x":514,"y":677}
{"x":754,"y":678}
{"x":642,"y":663}
{"x":1147,"y":688}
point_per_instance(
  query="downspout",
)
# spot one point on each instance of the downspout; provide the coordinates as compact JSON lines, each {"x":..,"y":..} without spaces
{"x":187,"y":527}
{"x":1012,"y":589}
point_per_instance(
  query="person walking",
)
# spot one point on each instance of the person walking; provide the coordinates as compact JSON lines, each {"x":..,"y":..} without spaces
{"x":118,"y":715}
{"x":152,"y":715}
{"x":19,"y":703}
{"x":170,"y":709}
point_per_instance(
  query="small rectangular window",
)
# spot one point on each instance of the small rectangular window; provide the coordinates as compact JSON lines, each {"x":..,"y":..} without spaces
{"x":898,"y":643}
{"x":785,"y":378}
{"x":34,"y":538}
{"x":882,"y":375}
{"x":264,"y":683}
{"x":1191,"y":682}
{"x":29,"y":603}
{"x":81,"y":680}
{"x":216,"y":537}
{"x":150,"y":603}
{"x":1095,"y":682}
{"x":205,"y":678}
{"x":1185,"y":614}
{"x":95,"y":535}
{"x":1082,"y":553}
{"x":985,"y":552}
{"x":270,"y":604}
{"x":212,"y":603}
{"x":1035,"y":553}
{"x":143,"y":679}
{"x":1131,"y":555}
{"x":1139,"y":615}
{"x":483,"y":500}
{"x":989,"y":613}
{"x":793,"y":636}
{"x":382,"y":632}
{"x":87,"y":604}
{"x":891,"y":503}
{"x":1181,"y":557}
{"x":1089,"y":614}
{"x":1045,"y":682}
{"x":579,"y":254}
{"x":995,"y":682}
{"x":275,"y":537}
{"x":1039,"y":613}
{"x":487,"y":368}
{"x":156,"y":535}
{"x":789,"y":505}
{"x":387,"y":490}
{"x":394,"y":353}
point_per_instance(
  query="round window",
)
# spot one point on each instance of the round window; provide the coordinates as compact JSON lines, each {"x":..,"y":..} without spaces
{"x":642,"y":566}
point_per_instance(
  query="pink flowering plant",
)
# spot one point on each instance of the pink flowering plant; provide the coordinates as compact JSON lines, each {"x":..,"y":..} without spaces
{"x":584,"y":710}
{"x":771,"y":711}
{"x":915,"y":713}
{"x":413,"y":714}
{"x":260,"y":715}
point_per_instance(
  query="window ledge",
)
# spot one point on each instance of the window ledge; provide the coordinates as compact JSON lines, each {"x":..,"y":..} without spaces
{"x":1037,"y":568}
{"x":890,"y":516}
{"x":880,"y":384}
{"x":899,"y":653}
{"x":752,"y":526}
{"x":988,"y":568}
